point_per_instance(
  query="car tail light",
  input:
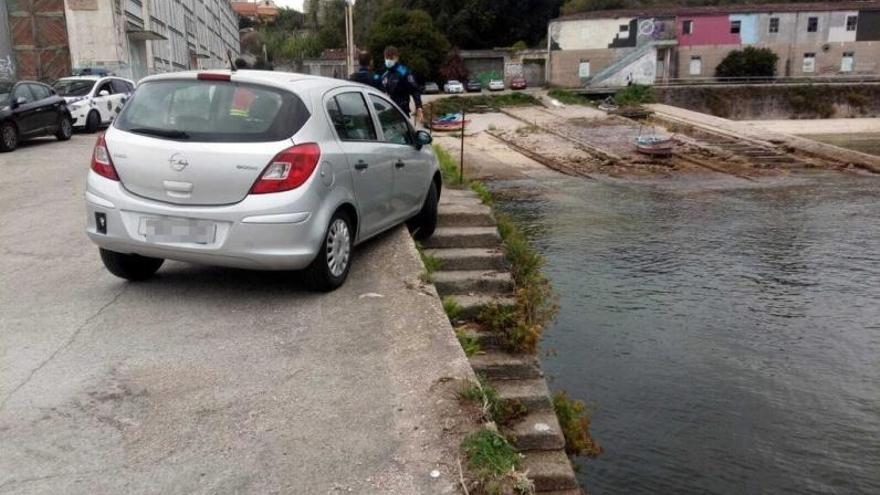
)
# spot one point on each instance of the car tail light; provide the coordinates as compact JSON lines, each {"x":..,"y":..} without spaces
{"x":101,"y":162}
{"x":289,"y":169}
{"x":213,"y":76}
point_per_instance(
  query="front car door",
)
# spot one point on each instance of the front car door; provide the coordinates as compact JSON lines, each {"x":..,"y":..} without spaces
{"x":371,"y":170}
{"x":104,"y":103}
{"x":411,"y":165}
{"x":25,"y":113}
{"x":121,"y":92}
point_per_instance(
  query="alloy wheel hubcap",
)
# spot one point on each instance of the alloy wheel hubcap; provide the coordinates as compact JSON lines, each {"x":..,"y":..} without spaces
{"x":338,"y":247}
{"x":8,"y":136}
{"x":65,"y":127}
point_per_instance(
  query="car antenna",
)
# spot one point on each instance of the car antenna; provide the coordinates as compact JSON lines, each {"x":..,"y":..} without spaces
{"x":231,"y":62}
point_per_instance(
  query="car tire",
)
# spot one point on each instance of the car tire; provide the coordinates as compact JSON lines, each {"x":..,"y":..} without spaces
{"x":424,"y":223}
{"x":132,"y":267}
{"x":8,"y":136}
{"x":330,"y":268}
{"x":93,"y":120}
{"x":65,"y":129}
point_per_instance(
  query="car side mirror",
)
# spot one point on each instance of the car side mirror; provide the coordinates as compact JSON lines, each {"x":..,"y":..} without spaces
{"x":21,"y":100}
{"x":423,"y":138}
{"x":103,"y":92}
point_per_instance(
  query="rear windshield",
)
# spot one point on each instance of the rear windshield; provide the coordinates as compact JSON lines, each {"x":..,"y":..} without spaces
{"x":73,"y":87}
{"x":212,"y":111}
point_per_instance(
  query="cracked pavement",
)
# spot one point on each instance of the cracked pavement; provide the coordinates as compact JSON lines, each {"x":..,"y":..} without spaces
{"x":210,"y":380}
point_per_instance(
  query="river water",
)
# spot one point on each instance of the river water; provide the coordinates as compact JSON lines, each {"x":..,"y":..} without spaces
{"x":727,"y":335}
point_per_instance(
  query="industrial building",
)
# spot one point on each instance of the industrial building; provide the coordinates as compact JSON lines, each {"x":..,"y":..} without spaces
{"x":47,"y":39}
{"x":648,"y":46}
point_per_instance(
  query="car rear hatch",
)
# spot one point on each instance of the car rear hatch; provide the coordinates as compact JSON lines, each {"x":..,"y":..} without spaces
{"x":201,"y":141}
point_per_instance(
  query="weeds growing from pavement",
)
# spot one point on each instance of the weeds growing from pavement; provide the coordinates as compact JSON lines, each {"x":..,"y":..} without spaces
{"x":574,"y":419}
{"x":468,"y":342}
{"x":493,"y":407}
{"x":493,"y":464}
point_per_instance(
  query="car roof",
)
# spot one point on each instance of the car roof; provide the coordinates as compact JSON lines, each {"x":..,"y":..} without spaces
{"x":272,"y":78}
{"x":88,"y":77}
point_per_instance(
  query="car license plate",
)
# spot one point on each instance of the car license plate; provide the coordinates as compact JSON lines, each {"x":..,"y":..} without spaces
{"x":167,"y":229}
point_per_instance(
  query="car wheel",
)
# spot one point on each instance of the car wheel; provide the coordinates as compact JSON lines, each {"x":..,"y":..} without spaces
{"x":8,"y":136}
{"x":65,"y":129}
{"x":92,"y":122}
{"x":133,"y":267}
{"x":424,"y":223}
{"x":330,"y":268}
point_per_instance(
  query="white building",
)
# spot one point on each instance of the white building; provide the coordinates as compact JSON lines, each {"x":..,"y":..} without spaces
{"x":136,"y":38}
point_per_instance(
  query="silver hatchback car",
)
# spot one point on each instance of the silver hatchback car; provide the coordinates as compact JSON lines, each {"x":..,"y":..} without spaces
{"x":255,"y":169}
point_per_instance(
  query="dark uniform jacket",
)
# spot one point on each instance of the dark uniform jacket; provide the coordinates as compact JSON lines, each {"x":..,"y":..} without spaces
{"x":401,"y":85}
{"x":365,"y":76}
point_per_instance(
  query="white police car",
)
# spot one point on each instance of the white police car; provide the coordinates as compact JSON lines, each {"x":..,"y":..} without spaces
{"x":93,"y":100}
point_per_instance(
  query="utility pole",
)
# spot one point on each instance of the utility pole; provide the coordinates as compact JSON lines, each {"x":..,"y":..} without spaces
{"x":349,"y":36}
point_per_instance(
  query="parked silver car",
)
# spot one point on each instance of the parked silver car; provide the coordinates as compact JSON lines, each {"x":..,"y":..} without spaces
{"x":255,"y":169}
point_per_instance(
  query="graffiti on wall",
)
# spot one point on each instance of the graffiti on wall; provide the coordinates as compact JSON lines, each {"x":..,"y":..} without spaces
{"x":7,"y":67}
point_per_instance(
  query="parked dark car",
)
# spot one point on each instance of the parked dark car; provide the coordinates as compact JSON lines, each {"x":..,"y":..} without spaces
{"x":474,"y":86}
{"x":31,"y":109}
{"x":431,"y":88}
{"x":518,"y":83}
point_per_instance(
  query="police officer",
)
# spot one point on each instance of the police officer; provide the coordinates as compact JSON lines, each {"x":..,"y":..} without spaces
{"x":364,"y":74}
{"x":400,"y":84}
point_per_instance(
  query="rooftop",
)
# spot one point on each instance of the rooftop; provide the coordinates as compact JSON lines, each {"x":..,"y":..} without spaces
{"x":671,"y":11}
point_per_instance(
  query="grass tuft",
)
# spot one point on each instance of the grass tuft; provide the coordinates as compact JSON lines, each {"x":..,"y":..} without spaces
{"x":449,"y":168}
{"x":574,"y":419}
{"x":493,"y":408}
{"x":468,"y":342}
{"x":489,"y":455}
{"x":568,"y":97}
{"x":452,"y":308}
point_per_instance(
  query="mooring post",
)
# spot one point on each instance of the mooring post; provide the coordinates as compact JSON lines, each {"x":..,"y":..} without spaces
{"x":461,"y":155}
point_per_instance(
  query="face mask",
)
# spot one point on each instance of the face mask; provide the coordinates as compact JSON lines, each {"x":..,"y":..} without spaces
{"x":389,"y":63}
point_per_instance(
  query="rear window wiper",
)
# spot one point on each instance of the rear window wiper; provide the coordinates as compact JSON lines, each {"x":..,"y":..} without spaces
{"x":170,"y":134}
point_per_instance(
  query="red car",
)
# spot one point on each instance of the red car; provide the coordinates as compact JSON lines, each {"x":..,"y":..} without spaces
{"x":518,"y":83}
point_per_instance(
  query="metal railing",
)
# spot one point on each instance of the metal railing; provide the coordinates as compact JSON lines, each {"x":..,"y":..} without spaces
{"x":818,"y":79}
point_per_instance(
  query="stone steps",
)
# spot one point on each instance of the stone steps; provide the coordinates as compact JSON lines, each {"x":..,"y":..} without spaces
{"x":496,"y":365}
{"x":533,"y":394}
{"x":469,"y":258}
{"x":462,"y":215}
{"x":550,"y":470}
{"x":538,"y":430}
{"x":472,"y":281}
{"x":472,"y":304}
{"x":464,"y":237}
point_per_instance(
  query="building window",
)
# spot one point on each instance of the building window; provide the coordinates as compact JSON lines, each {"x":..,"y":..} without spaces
{"x":774,"y":24}
{"x":846,"y":63}
{"x":735,"y":27}
{"x":809,"y":63}
{"x":624,"y":31}
{"x":584,"y":69}
{"x":851,"y":22}
{"x":696,"y":67}
{"x":687,"y":27}
{"x":812,"y":24}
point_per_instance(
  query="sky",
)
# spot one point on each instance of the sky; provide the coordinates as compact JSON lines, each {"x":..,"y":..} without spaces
{"x":297,"y":4}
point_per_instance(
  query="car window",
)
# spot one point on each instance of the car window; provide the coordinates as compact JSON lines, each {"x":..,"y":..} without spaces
{"x":22,"y":91}
{"x":395,"y":126}
{"x":5,"y":90}
{"x":106,"y":86}
{"x":351,"y":118}
{"x":73,"y":87}
{"x":39,"y":91}
{"x":120,"y":86}
{"x":213,"y":111}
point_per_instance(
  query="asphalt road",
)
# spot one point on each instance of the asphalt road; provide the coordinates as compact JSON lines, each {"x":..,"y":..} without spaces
{"x":210,"y":380}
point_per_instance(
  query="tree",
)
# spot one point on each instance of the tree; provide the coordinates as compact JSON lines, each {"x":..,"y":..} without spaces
{"x":422,"y":46}
{"x":454,"y":67}
{"x":748,"y":62}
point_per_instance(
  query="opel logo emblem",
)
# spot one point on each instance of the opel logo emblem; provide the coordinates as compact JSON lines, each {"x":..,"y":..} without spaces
{"x":178,"y":162}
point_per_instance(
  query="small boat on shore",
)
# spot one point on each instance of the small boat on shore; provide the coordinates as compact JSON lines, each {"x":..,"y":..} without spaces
{"x":655,"y":145}
{"x":449,"y":122}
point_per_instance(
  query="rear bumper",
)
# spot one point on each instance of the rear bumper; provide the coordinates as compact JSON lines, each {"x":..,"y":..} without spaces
{"x":257,"y":233}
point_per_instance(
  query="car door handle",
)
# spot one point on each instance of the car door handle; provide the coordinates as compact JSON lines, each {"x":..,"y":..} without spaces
{"x":361,"y":165}
{"x":399,"y":164}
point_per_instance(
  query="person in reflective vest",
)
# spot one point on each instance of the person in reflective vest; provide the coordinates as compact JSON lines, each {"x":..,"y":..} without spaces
{"x":364,"y":74}
{"x":400,"y":83}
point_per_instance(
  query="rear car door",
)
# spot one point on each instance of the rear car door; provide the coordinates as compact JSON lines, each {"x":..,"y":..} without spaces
{"x":411,"y":165}
{"x":371,"y":168}
{"x":201,"y":142}
{"x":47,"y":114}
{"x":26,"y":112}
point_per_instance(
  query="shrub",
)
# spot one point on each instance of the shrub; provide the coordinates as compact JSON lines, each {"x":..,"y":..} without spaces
{"x":574,"y":419}
{"x":634,"y":95}
{"x":748,"y":62}
{"x":489,"y":455}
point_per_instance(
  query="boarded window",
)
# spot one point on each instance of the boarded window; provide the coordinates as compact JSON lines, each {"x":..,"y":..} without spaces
{"x":774,"y":24}
{"x":688,"y":27}
{"x":584,"y":69}
{"x":846,"y":63}
{"x":809,"y":62}
{"x":812,"y":24}
{"x":735,"y":27}
{"x":696,"y":67}
{"x":852,"y":21}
